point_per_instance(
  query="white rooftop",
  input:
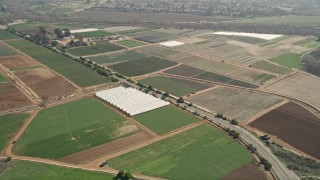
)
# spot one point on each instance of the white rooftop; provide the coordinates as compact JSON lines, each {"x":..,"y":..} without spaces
{"x":255,"y":35}
{"x":171,"y":43}
{"x":83,"y":30}
{"x":130,"y":100}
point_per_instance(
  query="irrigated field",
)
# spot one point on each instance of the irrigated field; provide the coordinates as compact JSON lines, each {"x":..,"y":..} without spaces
{"x":130,"y":43}
{"x":98,"y":48}
{"x":289,"y":60}
{"x":177,"y":87}
{"x":95,"y":34}
{"x":294,"y":125}
{"x":5,"y":51}
{"x":5,"y":35}
{"x":31,"y":170}
{"x":273,"y":68}
{"x":11,"y":97}
{"x":245,"y":74}
{"x":200,"y":153}
{"x":68,"y":68}
{"x":73,"y":125}
{"x":9,"y":124}
{"x":117,"y":57}
{"x":299,"y":86}
{"x":234,"y":103}
{"x":165,"y":119}
{"x":142,"y":66}
{"x":41,"y":81}
{"x":153,"y":36}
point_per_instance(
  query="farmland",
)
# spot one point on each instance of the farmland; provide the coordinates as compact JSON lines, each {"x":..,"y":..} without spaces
{"x":165,"y":119}
{"x":241,"y":73}
{"x":98,"y":48}
{"x":41,"y":81}
{"x":117,"y":57}
{"x":68,"y":68}
{"x":5,"y":51}
{"x":177,"y":87}
{"x":309,"y":42}
{"x":75,"y":126}
{"x":155,"y":50}
{"x":19,"y":61}
{"x":11,"y":97}
{"x":153,"y":36}
{"x":293,"y":124}
{"x":9,"y":124}
{"x":300,"y":86}
{"x":200,"y":153}
{"x":288,"y":60}
{"x":142,"y":66}
{"x":233,"y":103}
{"x":273,"y":68}
{"x":4,"y":35}
{"x":98,"y":33}
{"x":130,"y":43}
{"x":32,"y":170}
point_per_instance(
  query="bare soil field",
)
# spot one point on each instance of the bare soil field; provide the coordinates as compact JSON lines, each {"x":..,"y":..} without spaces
{"x":192,"y":40}
{"x":18,"y":61}
{"x":234,"y":103}
{"x":11,"y":97}
{"x":107,"y":149}
{"x":44,"y":82}
{"x":97,"y":15}
{"x":294,"y":125}
{"x":246,"y":172}
{"x":300,"y":86}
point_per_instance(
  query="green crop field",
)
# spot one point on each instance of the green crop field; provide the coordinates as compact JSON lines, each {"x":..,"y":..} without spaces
{"x":31,"y":170}
{"x":267,"y":66}
{"x":9,"y":124}
{"x":95,"y":34}
{"x":31,"y":25}
{"x":2,"y":79}
{"x":142,"y":66}
{"x":118,"y":57}
{"x":177,"y":87}
{"x":5,"y":35}
{"x":130,"y":43}
{"x":203,"y":152}
{"x":5,"y":51}
{"x":289,"y":60}
{"x":70,"y":69}
{"x":166,"y":119}
{"x":309,"y":42}
{"x":98,"y":48}
{"x":65,"y":129}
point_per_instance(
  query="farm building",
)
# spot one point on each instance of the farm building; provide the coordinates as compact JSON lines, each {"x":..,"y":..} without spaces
{"x":130,"y":100}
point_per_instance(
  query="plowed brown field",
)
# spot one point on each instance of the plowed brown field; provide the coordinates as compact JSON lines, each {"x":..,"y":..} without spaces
{"x":17,"y":62}
{"x":11,"y":97}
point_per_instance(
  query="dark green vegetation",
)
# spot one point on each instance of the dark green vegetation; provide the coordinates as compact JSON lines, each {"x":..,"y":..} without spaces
{"x":9,"y":124}
{"x":311,"y":62}
{"x":289,"y":60}
{"x":5,"y":35}
{"x":5,"y":51}
{"x":95,"y":34}
{"x":165,"y":119}
{"x":99,"y":47}
{"x":177,"y":87}
{"x":142,"y":66}
{"x":300,"y":165}
{"x":118,"y":57}
{"x":31,"y":170}
{"x":130,"y":43}
{"x":210,"y":76}
{"x":267,"y":66}
{"x":70,"y":69}
{"x":73,"y":125}
{"x":203,"y":152}
{"x":153,"y":36}
{"x":2,"y":79}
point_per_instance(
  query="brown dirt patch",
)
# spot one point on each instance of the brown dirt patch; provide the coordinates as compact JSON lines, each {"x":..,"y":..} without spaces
{"x":17,"y":62}
{"x":294,"y":125}
{"x":44,"y":82}
{"x":107,"y":149}
{"x":11,"y":97}
{"x":246,"y":172}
